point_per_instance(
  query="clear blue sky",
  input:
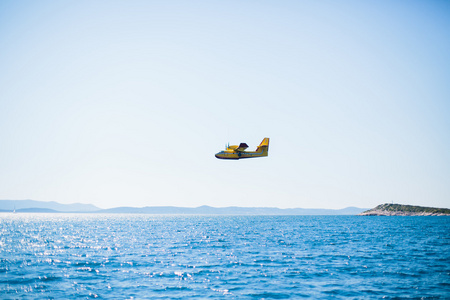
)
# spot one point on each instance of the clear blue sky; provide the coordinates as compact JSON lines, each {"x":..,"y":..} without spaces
{"x":125,"y":103}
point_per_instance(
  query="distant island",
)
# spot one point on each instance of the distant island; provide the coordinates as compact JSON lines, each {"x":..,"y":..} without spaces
{"x":405,"y":210}
{"x":33,"y":206}
{"x":44,"y":206}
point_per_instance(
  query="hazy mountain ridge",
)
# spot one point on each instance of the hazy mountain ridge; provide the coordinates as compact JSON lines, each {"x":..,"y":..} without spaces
{"x":405,"y":210}
{"x":232,"y":210}
{"x":41,"y":206}
{"x":19,"y":205}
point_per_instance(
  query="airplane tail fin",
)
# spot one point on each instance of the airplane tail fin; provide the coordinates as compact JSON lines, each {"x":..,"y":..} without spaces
{"x":264,"y":146}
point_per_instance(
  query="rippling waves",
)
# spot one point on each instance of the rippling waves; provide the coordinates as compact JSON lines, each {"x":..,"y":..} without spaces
{"x":143,"y":256}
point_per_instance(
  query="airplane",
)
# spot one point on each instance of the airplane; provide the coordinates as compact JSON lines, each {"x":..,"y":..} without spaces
{"x":238,"y":152}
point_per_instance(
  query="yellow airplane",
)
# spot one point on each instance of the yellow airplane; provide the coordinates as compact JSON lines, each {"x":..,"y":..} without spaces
{"x":237,"y":152}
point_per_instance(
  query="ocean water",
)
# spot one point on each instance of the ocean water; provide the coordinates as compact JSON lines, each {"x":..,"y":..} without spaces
{"x":68,"y":256}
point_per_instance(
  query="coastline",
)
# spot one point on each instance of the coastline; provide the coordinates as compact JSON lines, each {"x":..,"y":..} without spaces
{"x":405,"y":210}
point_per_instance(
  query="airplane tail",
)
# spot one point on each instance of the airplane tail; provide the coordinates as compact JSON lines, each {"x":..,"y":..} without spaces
{"x":264,"y":146}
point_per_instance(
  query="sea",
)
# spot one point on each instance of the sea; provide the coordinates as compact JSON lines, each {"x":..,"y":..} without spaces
{"x":127,"y":256}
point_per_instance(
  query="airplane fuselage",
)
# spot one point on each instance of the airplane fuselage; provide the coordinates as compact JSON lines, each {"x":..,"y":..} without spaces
{"x":230,"y":154}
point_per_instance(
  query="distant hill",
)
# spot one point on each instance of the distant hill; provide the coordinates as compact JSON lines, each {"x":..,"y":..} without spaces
{"x":41,"y":206}
{"x":19,"y":205}
{"x":36,"y":210}
{"x":405,"y":210}
{"x":232,"y":210}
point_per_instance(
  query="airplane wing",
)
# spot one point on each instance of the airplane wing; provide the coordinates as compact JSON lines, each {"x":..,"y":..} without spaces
{"x":242,"y":147}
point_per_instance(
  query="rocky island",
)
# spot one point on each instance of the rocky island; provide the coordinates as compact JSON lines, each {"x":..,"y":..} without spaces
{"x":405,"y":210}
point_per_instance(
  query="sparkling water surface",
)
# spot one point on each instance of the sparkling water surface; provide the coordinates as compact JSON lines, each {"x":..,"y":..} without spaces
{"x":67,"y":256}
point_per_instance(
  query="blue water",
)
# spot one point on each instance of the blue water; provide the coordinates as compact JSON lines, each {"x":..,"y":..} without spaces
{"x":65,"y":256}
